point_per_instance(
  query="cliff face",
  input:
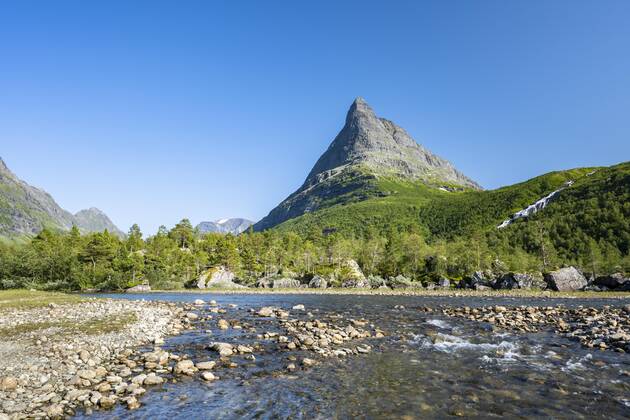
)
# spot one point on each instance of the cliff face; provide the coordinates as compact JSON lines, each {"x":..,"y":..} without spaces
{"x":26,"y":210}
{"x":367,"y":147}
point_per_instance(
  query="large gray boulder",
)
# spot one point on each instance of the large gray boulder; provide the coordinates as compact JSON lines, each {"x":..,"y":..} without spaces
{"x":140,"y":288}
{"x":479,"y":280}
{"x":519,"y":281}
{"x":613,"y":281}
{"x":354,"y":275}
{"x":286,"y":283}
{"x":566,"y":279}
{"x":317,"y":282}
{"x":219,"y":277}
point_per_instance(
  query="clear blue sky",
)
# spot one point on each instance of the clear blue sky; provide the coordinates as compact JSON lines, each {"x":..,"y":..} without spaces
{"x":154,"y":111}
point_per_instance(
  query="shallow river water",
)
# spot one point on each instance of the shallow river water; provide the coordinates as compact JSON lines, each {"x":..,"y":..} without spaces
{"x":466,"y":369}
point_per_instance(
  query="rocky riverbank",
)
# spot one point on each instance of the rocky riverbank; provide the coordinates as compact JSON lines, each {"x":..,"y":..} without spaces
{"x":606,"y":328}
{"x":57,"y":358}
{"x":99,"y":353}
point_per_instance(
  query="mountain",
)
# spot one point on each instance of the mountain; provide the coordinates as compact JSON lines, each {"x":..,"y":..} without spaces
{"x":26,"y":210}
{"x":368,"y":149}
{"x":233,"y":226}
{"x":94,"y":220}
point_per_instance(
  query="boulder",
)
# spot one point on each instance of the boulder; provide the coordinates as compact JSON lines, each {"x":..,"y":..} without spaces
{"x":517,"y":281}
{"x":444,"y":283}
{"x":376,"y":282}
{"x":317,"y":282}
{"x":566,"y":279}
{"x":286,"y":283}
{"x":402,"y":282}
{"x":140,"y":288}
{"x":612,"y":281}
{"x":264,"y":283}
{"x":352,"y":275}
{"x":478,"y":280}
{"x":219,"y":277}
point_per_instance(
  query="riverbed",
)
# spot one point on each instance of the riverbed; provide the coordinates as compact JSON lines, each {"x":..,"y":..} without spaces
{"x":426,"y":365}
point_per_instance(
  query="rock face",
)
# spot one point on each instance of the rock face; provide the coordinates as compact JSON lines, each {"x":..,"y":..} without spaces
{"x":353,"y":276}
{"x":25,"y":210}
{"x":566,"y":279}
{"x":366,"y":147}
{"x":317,"y":282}
{"x":233,"y":226}
{"x":94,"y":220}
{"x":217,"y":277}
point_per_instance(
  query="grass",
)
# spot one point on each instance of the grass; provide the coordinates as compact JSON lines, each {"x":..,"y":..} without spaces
{"x":25,"y":299}
{"x":94,"y":326}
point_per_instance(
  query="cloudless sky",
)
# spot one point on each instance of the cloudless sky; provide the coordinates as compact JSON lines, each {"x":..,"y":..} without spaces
{"x":153,"y":111}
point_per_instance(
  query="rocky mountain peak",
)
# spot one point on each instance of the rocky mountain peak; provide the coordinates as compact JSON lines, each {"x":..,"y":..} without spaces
{"x":383,"y":148}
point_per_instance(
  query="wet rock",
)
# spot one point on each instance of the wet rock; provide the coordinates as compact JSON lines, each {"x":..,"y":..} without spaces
{"x":199,"y":302}
{"x":208,"y":376}
{"x":153,"y":379}
{"x":205,"y":365}
{"x":224,"y":349}
{"x":223,"y":324}
{"x":266,"y":311}
{"x":187,"y":367}
{"x":299,"y":307}
{"x":308,"y":362}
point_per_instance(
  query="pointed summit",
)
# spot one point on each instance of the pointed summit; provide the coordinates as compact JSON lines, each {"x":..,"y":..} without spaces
{"x":384,"y":149}
{"x":367,"y":148}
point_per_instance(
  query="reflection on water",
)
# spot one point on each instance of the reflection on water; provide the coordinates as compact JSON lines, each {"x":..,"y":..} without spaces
{"x":426,"y":366}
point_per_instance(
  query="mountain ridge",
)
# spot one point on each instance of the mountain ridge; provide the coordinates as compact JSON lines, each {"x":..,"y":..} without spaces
{"x":233,"y":226}
{"x":26,"y":210}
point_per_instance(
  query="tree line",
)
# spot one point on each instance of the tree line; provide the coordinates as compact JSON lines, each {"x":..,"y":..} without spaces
{"x":175,"y":258}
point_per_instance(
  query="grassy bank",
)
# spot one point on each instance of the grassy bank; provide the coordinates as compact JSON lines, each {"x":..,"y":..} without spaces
{"x":24,"y":299}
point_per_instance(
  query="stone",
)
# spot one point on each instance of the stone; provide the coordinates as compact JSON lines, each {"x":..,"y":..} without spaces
{"x":132,"y":403}
{"x":152,"y":379}
{"x":308,"y":362}
{"x":55,"y":411}
{"x":199,"y":302}
{"x":317,"y":282}
{"x":267,"y":311}
{"x":224,"y":349}
{"x":208,"y":376}
{"x":352,"y":276}
{"x":86,"y":374}
{"x":107,"y":402}
{"x":140,"y":288}
{"x":192,"y":316}
{"x":514,"y":281}
{"x":8,"y":383}
{"x":223,"y":324}
{"x":184,"y":366}
{"x":612,"y":281}
{"x":286,"y":283}
{"x":205,"y":365}
{"x":444,"y":283}
{"x":566,"y":279}
{"x":299,"y":307}
{"x":219,"y":277}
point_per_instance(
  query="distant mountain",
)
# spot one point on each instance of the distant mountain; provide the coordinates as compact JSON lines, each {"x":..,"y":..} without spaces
{"x":94,"y":220}
{"x":26,"y":210}
{"x":233,"y":226}
{"x":367,"y":148}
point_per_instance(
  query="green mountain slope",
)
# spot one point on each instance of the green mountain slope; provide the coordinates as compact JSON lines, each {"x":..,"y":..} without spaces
{"x":26,"y":210}
{"x":596,"y":206}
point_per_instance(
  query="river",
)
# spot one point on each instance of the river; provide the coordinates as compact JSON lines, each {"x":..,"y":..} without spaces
{"x":427,"y":366}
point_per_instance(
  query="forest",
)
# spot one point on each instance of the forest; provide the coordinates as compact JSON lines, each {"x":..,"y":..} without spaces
{"x":173,"y":259}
